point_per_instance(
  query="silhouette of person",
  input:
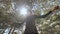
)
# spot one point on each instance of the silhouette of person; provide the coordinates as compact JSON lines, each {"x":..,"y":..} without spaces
{"x":30,"y":21}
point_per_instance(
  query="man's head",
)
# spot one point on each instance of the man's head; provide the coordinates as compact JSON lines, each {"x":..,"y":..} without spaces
{"x":29,"y":12}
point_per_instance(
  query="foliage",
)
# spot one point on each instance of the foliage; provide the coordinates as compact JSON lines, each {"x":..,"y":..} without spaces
{"x":48,"y":25}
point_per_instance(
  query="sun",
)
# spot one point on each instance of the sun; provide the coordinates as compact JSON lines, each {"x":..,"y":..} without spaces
{"x":23,"y":11}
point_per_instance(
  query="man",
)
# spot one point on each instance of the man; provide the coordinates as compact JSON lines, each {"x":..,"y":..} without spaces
{"x":30,"y":21}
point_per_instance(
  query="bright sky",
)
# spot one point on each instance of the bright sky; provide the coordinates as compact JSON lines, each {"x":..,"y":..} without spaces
{"x":23,"y":11}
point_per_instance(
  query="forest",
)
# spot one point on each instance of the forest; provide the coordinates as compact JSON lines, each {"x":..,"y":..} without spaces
{"x":14,"y":12}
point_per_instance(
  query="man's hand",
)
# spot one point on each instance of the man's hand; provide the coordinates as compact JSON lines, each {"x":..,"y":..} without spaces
{"x":56,"y":8}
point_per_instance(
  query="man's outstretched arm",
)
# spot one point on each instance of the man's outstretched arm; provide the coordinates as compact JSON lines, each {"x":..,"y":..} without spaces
{"x":43,"y":16}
